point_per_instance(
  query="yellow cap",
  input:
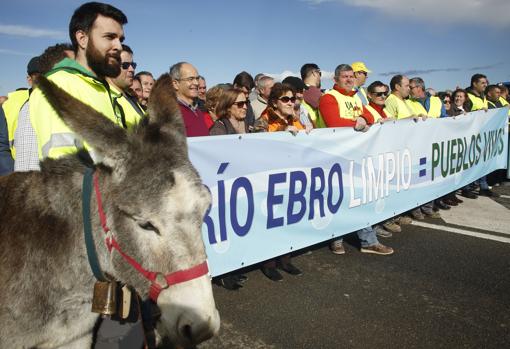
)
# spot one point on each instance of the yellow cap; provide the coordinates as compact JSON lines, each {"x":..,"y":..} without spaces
{"x":360,"y":66}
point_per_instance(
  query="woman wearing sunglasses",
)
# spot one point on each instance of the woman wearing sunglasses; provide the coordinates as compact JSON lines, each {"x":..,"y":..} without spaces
{"x":279,"y":114}
{"x":231,"y":113}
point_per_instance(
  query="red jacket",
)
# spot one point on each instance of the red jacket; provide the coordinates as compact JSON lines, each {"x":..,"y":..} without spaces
{"x":330,"y":112}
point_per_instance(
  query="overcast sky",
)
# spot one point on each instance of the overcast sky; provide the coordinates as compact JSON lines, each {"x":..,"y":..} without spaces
{"x":443,"y":41}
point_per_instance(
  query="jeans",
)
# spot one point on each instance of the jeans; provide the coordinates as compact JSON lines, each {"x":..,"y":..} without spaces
{"x":366,"y":236}
{"x":482,"y":182}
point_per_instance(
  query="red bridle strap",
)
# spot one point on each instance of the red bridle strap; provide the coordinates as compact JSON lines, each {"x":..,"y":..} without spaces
{"x":156,"y":287}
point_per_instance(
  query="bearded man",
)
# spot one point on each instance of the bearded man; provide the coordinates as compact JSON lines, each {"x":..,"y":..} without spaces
{"x":96,"y":32}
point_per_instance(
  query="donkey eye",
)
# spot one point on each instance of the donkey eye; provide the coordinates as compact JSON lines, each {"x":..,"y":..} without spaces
{"x":146,"y":225}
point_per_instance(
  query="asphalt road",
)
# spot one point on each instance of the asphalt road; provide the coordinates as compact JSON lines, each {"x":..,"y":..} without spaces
{"x":441,"y":289}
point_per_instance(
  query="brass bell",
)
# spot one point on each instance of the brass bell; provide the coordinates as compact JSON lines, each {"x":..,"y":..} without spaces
{"x":104,"y":300}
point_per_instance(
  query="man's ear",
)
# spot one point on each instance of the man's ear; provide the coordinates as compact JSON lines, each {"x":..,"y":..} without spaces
{"x":82,"y":39}
{"x":175,"y":85}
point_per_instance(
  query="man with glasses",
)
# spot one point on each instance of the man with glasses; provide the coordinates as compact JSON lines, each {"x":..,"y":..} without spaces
{"x":131,"y":110}
{"x":340,"y":108}
{"x":422,"y":103}
{"x":360,"y":74}
{"x":96,"y":32}
{"x":185,"y":81}
{"x":311,"y":76}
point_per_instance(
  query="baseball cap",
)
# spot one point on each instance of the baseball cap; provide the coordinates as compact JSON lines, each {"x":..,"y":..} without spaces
{"x":33,"y":66}
{"x":360,"y":66}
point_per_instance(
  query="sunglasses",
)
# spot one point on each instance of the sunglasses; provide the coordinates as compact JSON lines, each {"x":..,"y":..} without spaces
{"x":241,"y":104}
{"x":126,"y":65}
{"x":380,"y":94}
{"x":286,"y":99}
{"x":318,"y":72}
{"x":446,"y":101}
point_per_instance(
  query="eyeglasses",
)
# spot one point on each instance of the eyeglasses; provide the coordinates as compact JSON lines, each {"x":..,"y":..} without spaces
{"x":190,"y":79}
{"x":241,"y":104}
{"x":363,"y":72}
{"x":411,"y":87}
{"x":286,"y":99}
{"x":126,"y":65}
{"x":446,"y":101}
{"x":318,"y":72}
{"x":380,"y":94}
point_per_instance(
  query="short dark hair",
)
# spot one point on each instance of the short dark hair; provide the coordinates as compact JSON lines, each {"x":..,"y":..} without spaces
{"x":490,"y":88}
{"x":52,"y":55}
{"x":342,"y":67}
{"x":84,"y":17}
{"x":371,"y":88}
{"x":475,"y":78}
{"x":307,"y":69}
{"x":396,"y":80}
{"x":127,"y":49}
{"x":278,"y":90}
{"x":244,"y":79}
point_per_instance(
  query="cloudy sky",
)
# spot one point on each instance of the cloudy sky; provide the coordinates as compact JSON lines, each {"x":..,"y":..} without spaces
{"x":443,"y":41}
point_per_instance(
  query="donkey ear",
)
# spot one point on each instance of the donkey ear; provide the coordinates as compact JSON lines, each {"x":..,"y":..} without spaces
{"x":163,"y":108}
{"x":107,"y":139}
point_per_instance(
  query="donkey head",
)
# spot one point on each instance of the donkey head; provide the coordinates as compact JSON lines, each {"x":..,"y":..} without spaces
{"x":155,"y":203}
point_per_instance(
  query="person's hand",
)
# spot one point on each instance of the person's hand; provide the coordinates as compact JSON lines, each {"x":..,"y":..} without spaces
{"x":308,"y":128}
{"x":292,"y":129}
{"x":486,"y":110}
{"x":361,"y":124}
{"x":423,"y":117}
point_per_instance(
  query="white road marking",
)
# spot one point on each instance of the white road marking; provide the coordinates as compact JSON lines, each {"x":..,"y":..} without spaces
{"x":505,"y":196}
{"x":482,"y":213}
{"x":463,"y":232}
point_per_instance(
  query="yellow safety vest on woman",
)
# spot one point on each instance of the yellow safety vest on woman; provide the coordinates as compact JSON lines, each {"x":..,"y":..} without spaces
{"x":350,"y":107}
{"x":12,"y":107}
{"x":54,"y":138}
{"x":374,"y":113}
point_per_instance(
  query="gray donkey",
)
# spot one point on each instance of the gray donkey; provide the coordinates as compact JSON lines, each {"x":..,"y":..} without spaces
{"x":154,"y":203}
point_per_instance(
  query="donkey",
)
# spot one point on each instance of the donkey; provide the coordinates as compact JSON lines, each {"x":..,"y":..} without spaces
{"x":154,"y":203}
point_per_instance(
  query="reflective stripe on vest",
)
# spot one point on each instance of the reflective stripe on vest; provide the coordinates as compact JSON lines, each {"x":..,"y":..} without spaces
{"x":362,"y":95}
{"x":350,"y":107}
{"x":61,"y":140}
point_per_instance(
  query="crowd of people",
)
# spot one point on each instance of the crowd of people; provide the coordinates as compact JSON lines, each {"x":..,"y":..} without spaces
{"x":98,"y":69}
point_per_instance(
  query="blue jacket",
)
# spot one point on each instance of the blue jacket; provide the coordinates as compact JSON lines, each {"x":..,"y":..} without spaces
{"x":6,"y":160}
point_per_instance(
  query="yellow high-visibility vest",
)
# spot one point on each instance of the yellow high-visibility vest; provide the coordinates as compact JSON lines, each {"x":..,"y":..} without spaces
{"x":397,"y":108}
{"x":54,"y":138}
{"x":478,"y":103}
{"x":12,"y":107}
{"x":374,"y":113}
{"x":434,"y":107}
{"x":315,"y":115}
{"x":349,"y":107}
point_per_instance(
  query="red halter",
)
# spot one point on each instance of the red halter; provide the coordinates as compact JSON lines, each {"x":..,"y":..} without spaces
{"x":159,"y":281}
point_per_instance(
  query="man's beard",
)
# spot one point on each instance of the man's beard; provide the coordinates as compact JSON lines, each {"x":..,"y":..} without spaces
{"x":100,"y":64}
